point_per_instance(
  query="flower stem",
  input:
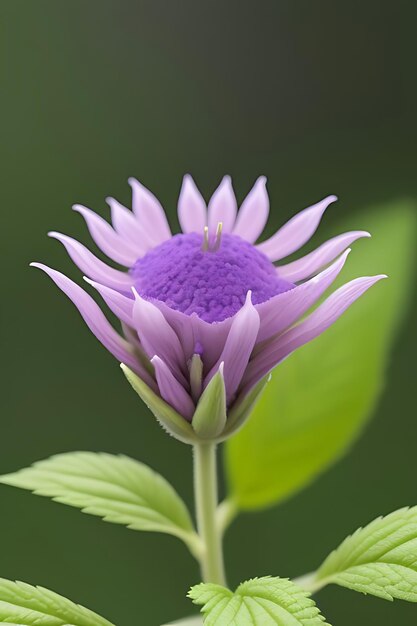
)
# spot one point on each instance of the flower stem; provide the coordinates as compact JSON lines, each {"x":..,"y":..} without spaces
{"x":206,"y":499}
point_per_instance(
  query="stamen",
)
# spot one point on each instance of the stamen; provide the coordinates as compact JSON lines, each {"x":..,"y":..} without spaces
{"x":205,"y":246}
{"x":218,"y":238}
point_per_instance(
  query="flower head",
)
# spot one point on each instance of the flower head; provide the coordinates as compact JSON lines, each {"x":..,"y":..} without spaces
{"x":206,"y":314}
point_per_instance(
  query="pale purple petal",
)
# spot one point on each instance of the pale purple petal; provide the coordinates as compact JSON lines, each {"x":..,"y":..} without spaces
{"x":222,"y":207}
{"x":192,"y":210}
{"x":212,"y":337}
{"x":192,"y":330}
{"x":171,"y":390}
{"x":127,"y":225}
{"x":120,"y":305}
{"x":156,"y":335}
{"x":116,"y":247}
{"x":315,"y":324}
{"x":182,"y":326}
{"x":296,"y":232}
{"x":149,"y":212}
{"x":238,"y":347}
{"x":92,"y":266}
{"x":97,"y":322}
{"x":253,"y":213}
{"x":132,"y":337}
{"x":309,"y":264}
{"x":285,"y":309}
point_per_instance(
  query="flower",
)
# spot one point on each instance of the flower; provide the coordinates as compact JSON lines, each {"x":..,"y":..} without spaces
{"x":205,"y":314}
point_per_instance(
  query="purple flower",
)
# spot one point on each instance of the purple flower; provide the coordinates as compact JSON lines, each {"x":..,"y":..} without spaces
{"x":208,"y":301}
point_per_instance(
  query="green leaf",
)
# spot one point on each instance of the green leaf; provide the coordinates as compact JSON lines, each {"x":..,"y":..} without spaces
{"x":116,"y":488}
{"x":257,"y":602}
{"x":380,"y":559}
{"x":320,"y":398}
{"x":169,"y":419}
{"x":24,"y":605}
{"x":210,"y":415}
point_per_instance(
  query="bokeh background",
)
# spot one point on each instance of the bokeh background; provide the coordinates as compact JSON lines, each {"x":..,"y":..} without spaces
{"x":319,"y":96}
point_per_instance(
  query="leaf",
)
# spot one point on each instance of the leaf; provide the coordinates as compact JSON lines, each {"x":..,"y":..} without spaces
{"x":24,"y":605}
{"x":257,"y":602}
{"x":116,"y":488}
{"x":210,"y":415}
{"x":168,"y":418}
{"x":380,"y":559}
{"x":320,"y":398}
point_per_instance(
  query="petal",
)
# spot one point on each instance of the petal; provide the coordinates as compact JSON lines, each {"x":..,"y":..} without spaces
{"x":92,"y":266}
{"x":112,"y":244}
{"x":285,"y":309}
{"x":296,"y":232}
{"x":120,"y":305}
{"x":192,"y":210}
{"x":171,"y":390}
{"x":212,"y":338}
{"x":222,"y":207}
{"x":315,"y":324}
{"x":253,"y":214}
{"x":156,"y":335}
{"x":149,"y":212}
{"x":97,"y":322}
{"x":192,"y":330}
{"x":127,"y":225}
{"x":310,"y":263}
{"x":238,"y":347}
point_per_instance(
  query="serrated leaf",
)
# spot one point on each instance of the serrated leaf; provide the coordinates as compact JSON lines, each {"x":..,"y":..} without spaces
{"x":116,"y":488}
{"x":263,"y":601}
{"x":380,"y":559}
{"x":320,"y":398}
{"x":24,"y":605}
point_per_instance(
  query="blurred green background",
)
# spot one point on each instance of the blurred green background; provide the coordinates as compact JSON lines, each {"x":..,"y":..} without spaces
{"x":319,"y":96}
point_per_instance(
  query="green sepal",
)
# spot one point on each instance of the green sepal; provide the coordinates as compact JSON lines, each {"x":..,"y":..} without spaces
{"x":211,"y":414}
{"x":243,"y":407}
{"x":170,"y":420}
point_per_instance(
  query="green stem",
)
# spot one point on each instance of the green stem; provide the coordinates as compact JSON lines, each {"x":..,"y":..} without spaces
{"x":206,"y":499}
{"x":310,"y":583}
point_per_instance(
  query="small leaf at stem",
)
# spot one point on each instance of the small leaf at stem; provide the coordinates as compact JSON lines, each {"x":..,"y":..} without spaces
{"x":379,"y":559}
{"x":263,"y":601}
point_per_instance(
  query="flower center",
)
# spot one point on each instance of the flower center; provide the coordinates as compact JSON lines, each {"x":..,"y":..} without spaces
{"x":213,"y":282}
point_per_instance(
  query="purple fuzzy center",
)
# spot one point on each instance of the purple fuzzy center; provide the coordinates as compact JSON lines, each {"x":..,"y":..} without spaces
{"x":212,"y":284}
